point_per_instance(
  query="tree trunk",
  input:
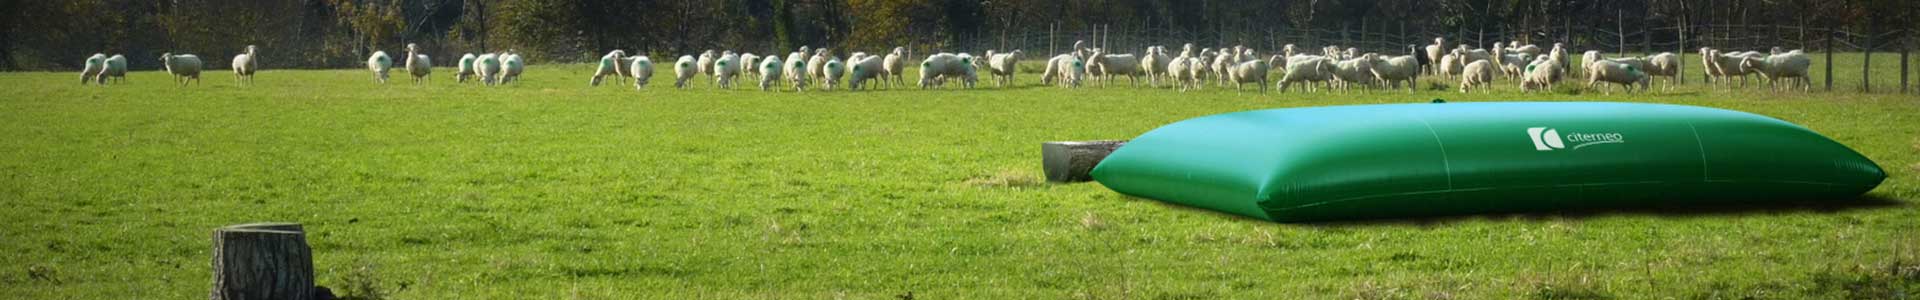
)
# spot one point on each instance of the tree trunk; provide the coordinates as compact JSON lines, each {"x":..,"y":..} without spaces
{"x":1073,"y":161}
{"x":264,"y":261}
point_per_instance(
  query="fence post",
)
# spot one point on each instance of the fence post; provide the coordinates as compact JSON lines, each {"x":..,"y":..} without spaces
{"x":1620,"y":30}
{"x":1830,"y":35}
{"x":1051,"y":50}
{"x":1906,"y":45}
{"x":1681,"y":29}
{"x":1866,"y":78}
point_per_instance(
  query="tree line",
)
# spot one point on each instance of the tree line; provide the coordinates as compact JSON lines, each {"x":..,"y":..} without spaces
{"x":58,"y":35}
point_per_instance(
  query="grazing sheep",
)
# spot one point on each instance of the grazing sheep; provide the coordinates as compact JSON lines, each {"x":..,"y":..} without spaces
{"x":1254,"y":71}
{"x":1542,"y":74}
{"x":1396,"y":69}
{"x":1111,"y":65}
{"x":487,"y":66}
{"x":1003,"y":66}
{"x":1358,"y":70}
{"x":1510,"y":64}
{"x":609,"y":66}
{"x":726,"y":69}
{"x":937,"y":68}
{"x":1306,"y":69}
{"x":796,"y":71}
{"x":864,"y":69}
{"x":749,"y":65}
{"x":896,"y":67}
{"x":1624,"y":74}
{"x":833,"y":70}
{"x":684,"y":70}
{"x":1529,"y":50}
{"x":511,"y":65}
{"x":1791,"y":65}
{"x":245,"y":64}
{"x":1478,"y":75}
{"x":419,"y":65}
{"x":770,"y":71}
{"x":116,"y":69}
{"x":184,"y":68}
{"x":96,"y":65}
{"x":1730,"y":66}
{"x":1067,"y":70}
{"x":466,"y":68}
{"x":379,"y":63}
{"x":642,"y":69}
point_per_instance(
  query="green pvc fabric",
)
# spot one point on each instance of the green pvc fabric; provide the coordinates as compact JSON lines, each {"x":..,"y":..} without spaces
{"x":1402,"y":160}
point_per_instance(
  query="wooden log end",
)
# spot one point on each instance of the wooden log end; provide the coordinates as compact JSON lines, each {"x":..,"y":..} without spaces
{"x":1073,"y":161}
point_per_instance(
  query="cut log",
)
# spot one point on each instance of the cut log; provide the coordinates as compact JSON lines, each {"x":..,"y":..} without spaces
{"x":262,"y":261}
{"x":1072,"y":161}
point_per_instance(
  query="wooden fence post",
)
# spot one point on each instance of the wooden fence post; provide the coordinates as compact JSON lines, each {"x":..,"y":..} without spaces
{"x":1830,"y":36}
{"x":1681,"y":30}
{"x":1906,"y":45}
{"x":1620,"y":30}
{"x":1866,"y":65}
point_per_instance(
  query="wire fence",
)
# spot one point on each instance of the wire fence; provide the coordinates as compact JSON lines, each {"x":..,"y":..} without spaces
{"x":1398,"y":40}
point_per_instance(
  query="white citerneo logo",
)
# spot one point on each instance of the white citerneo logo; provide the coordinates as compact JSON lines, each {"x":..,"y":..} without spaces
{"x":1548,"y":139}
{"x":1545,"y":139}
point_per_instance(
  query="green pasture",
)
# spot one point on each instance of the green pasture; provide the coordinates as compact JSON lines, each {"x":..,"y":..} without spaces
{"x":550,"y":189}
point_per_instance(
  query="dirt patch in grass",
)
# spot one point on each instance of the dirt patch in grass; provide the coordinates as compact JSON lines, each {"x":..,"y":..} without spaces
{"x":1006,"y":179}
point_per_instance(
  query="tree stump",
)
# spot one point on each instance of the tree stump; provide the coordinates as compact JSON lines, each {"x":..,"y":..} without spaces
{"x":1074,"y":161}
{"x":262,"y":261}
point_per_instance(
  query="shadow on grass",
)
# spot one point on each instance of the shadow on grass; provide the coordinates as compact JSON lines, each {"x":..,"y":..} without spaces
{"x":1866,"y":202}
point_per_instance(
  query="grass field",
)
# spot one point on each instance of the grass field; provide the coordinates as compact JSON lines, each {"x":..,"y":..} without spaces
{"x":554,"y":190}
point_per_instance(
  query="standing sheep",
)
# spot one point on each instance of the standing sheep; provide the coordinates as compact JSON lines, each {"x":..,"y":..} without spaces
{"x":1003,"y":66}
{"x":116,"y":69}
{"x":706,"y":63}
{"x":1178,"y":71}
{"x":1541,"y":74}
{"x":796,"y":71}
{"x":1358,"y":70}
{"x":1116,"y":64}
{"x":1478,"y":75}
{"x":1665,"y":64}
{"x":511,"y":65}
{"x":749,"y":65}
{"x":184,"y":68}
{"x":642,"y":68}
{"x":96,"y":65}
{"x":419,"y":65}
{"x":245,"y":64}
{"x":726,"y":69}
{"x":1791,"y":65}
{"x":684,"y":70}
{"x":770,"y":69}
{"x":1451,"y":65}
{"x":817,"y":65}
{"x":896,"y":67}
{"x":865,"y":69}
{"x":1395,"y":69}
{"x":934,"y":69}
{"x":609,"y":66}
{"x":832,"y":72}
{"x":1305,"y":69}
{"x":1606,"y":71}
{"x":379,"y":63}
{"x":1254,"y":71}
{"x":487,"y":66}
{"x":466,"y":68}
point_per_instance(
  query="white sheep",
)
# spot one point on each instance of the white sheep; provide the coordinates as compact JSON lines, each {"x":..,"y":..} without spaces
{"x":642,"y":69}
{"x":116,"y":69}
{"x":487,"y":66}
{"x":750,"y":65}
{"x":796,"y":71}
{"x":245,"y":64}
{"x":1004,"y":66}
{"x":770,"y":71}
{"x":466,"y":68}
{"x":1791,"y":65}
{"x":1624,"y":74}
{"x":706,"y":63}
{"x":418,"y":65}
{"x":1434,"y":52}
{"x":379,"y":63}
{"x":684,"y":70}
{"x":817,"y":65}
{"x":895,"y":67}
{"x":1559,"y":56}
{"x":1306,"y":69}
{"x":726,"y":69}
{"x":1252,"y":71}
{"x":1478,"y":75}
{"x":609,"y":66}
{"x":1664,"y":64}
{"x":1396,"y":69}
{"x":511,"y":65}
{"x":1179,"y":70}
{"x":832,"y":72}
{"x":1451,"y":65}
{"x":1155,"y":64}
{"x":96,"y":65}
{"x":1073,"y":71}
{"x":1358,"y":70}
{"x":1112,"y":65}
{"x":184,"y":68}
{"x":935,"y":67}
{"x":867,"y":68}
{"x":1541,"y":74}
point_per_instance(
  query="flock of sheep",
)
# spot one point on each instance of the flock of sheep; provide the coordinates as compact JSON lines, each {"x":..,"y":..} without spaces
{"x":1534,"y":67}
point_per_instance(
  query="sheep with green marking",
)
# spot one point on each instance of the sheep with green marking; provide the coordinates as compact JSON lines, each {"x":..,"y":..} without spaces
{"x":1616,"y":72}
{"x":95,"y":65}
{"x":684,"y":70}
{"x":380,"y":63}
{"x":642,"y":68}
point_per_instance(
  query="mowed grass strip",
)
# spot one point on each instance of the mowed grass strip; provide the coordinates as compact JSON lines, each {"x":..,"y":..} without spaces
{"x":552,"y":189}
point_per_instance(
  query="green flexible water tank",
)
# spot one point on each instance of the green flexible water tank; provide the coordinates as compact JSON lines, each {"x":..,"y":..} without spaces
{"x":1383,"y":161}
